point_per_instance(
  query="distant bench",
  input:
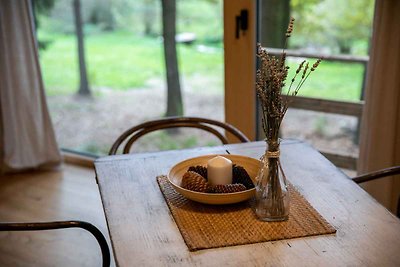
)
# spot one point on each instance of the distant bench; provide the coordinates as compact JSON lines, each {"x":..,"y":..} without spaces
{"x":185,"y":38}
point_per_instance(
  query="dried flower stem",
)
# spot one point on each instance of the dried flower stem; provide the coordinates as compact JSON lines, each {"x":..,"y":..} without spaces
{"x":270,"y":80}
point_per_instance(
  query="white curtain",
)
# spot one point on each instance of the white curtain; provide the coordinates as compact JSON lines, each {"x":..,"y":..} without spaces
{"x":27,"y":137}
{"x":380,"y":138}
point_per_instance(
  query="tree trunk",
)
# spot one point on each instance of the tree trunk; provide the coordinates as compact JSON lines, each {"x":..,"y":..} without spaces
{"x":174,"y":97}
{"x":84,"y":86}
{"x":275,"y":16}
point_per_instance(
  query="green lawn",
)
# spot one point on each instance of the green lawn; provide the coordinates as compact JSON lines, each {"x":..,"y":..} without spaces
{"x":121,"y":61}
{"x":118,"y":60}
{"x":332,"y":80}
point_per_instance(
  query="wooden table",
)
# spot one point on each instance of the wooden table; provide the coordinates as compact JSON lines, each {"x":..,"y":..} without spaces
{"x":143,"y":232}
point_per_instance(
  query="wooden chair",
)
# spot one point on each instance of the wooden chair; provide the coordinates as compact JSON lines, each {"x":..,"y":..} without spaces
{"x":377,"y":175}
{"x":62,"y":225}
{"x":134,"y":133}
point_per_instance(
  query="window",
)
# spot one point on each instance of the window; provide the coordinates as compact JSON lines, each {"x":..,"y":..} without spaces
{"x":328,"y":112}
{"x":125,"y":69}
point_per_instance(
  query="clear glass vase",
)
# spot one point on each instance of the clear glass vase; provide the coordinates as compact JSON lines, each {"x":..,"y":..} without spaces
{"x":272,"y":202}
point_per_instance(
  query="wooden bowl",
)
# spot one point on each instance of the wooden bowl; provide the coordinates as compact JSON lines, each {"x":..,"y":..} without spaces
{"x":251,"y":165}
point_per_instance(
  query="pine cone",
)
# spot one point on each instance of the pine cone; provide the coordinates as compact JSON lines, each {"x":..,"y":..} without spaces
{"x":194,"y":182}
{"x":228,"y":188}
{"x":200,"y":170}
{"x":240,"y":176}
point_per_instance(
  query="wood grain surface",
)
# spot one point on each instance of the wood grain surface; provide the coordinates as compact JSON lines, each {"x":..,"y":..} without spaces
{"x":143,"y":232}
{"x":70,"y":193}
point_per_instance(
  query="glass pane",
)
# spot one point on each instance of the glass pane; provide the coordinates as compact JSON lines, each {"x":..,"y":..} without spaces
{"x":340,"y":31}
{"x":125,"y":68}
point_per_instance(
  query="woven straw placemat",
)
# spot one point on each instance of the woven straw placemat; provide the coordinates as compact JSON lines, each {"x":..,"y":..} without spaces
{"x":211,"y":226}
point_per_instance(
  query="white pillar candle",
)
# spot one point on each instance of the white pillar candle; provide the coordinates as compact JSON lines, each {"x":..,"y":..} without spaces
{"x":219,"y":170}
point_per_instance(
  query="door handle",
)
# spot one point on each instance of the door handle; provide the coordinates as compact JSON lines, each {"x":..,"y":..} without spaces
{"x":242,"y":22}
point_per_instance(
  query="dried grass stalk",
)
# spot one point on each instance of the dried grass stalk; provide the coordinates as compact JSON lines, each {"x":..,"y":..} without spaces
{"x":270,"y":81}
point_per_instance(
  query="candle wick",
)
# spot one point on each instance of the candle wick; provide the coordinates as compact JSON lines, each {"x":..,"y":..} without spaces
{"x":228,"y":152}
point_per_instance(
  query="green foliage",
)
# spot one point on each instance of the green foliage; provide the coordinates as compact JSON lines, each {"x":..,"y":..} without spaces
{"x":334,"y":23}
{"x":118,"y":60}
{"x":332,"y":80}
{"x":157,"y":141}
{"x":204,"y":18}
{"x":211,"y":143}
{"x":43,"y":6}
{"x":122,"y":61}
{"x":96,"y":148}
{"x":133,"y":15}
{"x":338,"y":24}
{"x":163,"y":140}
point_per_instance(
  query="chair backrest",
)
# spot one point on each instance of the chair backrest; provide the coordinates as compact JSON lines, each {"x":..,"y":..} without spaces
{"x":211,"y":126}
{"x":395,"y":170}
{"x":38,"y":226}
{"x":377,"y":174}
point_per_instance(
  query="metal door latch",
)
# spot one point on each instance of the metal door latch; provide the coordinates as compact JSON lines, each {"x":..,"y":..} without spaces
{"x":242,"y":22}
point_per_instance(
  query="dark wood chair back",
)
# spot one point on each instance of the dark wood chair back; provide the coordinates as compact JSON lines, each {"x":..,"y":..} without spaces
{"x":377,"y":175}
{"x":37,"y":226}
{"x":211,"y":126}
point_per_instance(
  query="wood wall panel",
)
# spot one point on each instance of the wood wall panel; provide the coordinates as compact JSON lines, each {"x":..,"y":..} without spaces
{"x":240,"y":67}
